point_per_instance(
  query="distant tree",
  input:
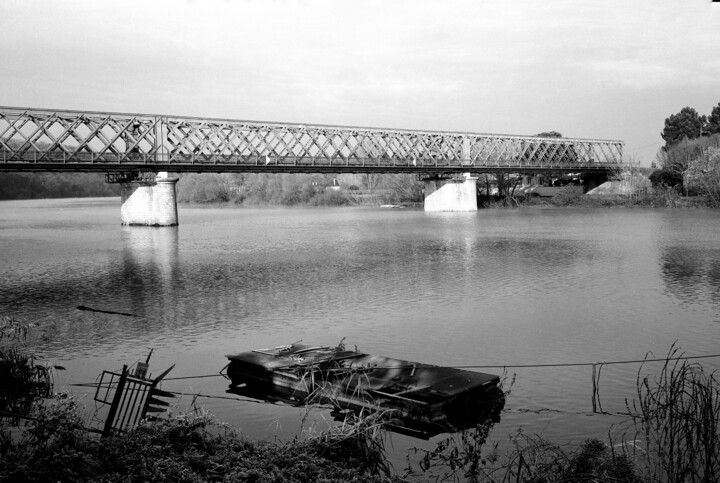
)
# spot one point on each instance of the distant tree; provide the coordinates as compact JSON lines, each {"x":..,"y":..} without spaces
{"x":687,"y":124}
{"x":370,"y":181}
{"x":562,"y":153}
{"x":713,"y":122}
{"x":549,"y":134}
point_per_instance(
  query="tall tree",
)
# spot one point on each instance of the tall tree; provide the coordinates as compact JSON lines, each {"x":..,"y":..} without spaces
{"x":713,"y":122}
{"x":687,"y":124}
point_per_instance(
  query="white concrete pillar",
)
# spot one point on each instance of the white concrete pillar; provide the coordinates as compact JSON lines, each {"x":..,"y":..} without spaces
{"x":149,"y":204}
{"x":447,"y":194}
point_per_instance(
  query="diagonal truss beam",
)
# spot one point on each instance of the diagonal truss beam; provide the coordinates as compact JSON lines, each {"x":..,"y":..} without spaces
{"x":39,"y":139}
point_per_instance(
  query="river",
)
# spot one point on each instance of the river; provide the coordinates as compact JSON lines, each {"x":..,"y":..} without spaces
{"x":500,"y":287}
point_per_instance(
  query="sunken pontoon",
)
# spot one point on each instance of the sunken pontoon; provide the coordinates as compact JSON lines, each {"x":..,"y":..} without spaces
{"x":418,"y":394}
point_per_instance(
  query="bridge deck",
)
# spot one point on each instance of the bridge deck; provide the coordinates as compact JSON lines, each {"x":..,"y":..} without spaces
{"x":52,"y":140}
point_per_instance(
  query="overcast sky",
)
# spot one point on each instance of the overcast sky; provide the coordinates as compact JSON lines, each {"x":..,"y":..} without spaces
{"x":608,"y":69}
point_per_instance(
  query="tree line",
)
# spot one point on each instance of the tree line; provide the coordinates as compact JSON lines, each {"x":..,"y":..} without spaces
{"x":240,"y":189}
{"x":23,"y":186}
{"x":690,"y":159}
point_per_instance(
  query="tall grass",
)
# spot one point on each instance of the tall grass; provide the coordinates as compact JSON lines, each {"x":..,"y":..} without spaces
{"x":359,"y":439}
{"x":22,"y":379}
{"x":677,"y":415}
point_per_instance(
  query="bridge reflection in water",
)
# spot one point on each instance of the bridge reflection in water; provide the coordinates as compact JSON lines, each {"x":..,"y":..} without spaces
{"x":470,"y":418}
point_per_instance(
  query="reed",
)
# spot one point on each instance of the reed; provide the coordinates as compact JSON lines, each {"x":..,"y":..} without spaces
{"x":358,"y":439}
{"x":677,"y":417}
{"x":22,"y":379}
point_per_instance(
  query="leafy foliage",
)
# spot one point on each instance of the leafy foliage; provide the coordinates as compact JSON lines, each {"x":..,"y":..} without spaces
{"x":686,"y":124}
{"x":703,"y":175}
{"x":713,"y":122}
{"x":549,"y":134}
{"x":676,"y":160}
{"x":667,"y":178}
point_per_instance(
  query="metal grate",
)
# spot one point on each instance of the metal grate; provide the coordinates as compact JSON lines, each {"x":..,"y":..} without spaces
{"x":130,"y":399}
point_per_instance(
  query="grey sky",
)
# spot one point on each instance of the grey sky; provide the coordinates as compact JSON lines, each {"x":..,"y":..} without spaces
{"x":612,"y":69}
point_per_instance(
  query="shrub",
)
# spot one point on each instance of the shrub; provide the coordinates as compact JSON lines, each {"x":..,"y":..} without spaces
{"x":703,"y":175}
{"x":179,"y":448}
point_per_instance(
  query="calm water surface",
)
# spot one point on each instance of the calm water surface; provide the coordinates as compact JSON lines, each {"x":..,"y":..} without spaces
{"x":493,"y":288}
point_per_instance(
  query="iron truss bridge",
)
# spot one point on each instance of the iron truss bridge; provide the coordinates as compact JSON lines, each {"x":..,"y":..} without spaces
{"x":52,"y":140}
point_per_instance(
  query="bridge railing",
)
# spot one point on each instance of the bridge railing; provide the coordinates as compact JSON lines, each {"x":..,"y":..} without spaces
{"x":74,"y":139}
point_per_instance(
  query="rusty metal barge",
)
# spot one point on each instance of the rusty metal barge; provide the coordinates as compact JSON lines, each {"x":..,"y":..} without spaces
{"x":419,"y":395}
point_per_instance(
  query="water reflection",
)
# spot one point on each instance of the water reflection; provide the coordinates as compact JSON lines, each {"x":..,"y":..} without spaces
{"x":691,"y":274}
{"x":469,"y":418}
{"x":148,"y":268}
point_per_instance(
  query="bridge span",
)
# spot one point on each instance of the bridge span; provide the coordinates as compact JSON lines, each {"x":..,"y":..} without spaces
{"x":129,"y":147}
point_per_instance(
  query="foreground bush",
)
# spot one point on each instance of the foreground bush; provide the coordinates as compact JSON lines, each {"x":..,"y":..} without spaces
{"x":192,"y":448}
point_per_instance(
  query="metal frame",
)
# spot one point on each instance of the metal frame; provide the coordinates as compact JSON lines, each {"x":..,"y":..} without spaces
{"x":130,"y":398}
{"x":144,"y":177}
{"x":47,"y":140}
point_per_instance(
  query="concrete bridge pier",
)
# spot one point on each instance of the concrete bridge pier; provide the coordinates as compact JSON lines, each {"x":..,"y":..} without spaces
{"x":450,"y":193}
{"x":149,"y":203}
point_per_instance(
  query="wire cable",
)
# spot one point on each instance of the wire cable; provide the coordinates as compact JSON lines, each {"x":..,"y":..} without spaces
{"x":503,"y":366}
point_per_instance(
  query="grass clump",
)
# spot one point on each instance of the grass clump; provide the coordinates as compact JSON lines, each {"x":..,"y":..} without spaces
{"x":191,"y":448}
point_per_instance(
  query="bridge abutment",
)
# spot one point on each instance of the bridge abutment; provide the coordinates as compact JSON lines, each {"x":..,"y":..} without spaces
{"x":451,"y":194}
{"x":149,"y":204}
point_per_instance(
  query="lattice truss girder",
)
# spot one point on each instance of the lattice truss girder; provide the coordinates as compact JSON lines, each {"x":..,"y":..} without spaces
{"x":79,"y":137}
{"x":53,"y":136}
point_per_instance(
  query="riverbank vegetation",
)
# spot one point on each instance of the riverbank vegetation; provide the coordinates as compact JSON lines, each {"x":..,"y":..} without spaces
{"x":299,"y":189}
{"x":27,"y":186}
{"x":22,"y":379}
{"x":190,"y":448}
{"x":672,"y":434}
{"x":689,"y":162}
